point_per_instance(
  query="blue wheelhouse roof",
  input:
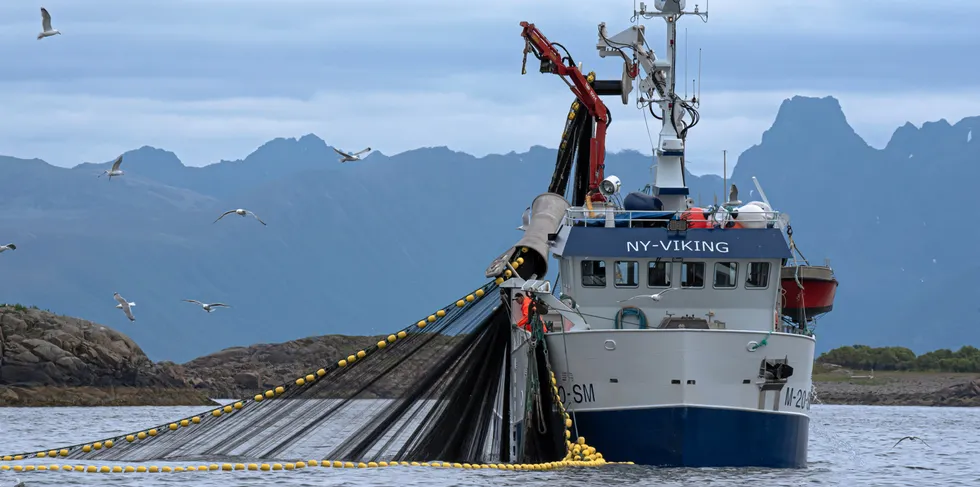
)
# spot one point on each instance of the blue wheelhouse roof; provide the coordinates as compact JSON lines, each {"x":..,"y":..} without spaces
{"x":735,"y":243}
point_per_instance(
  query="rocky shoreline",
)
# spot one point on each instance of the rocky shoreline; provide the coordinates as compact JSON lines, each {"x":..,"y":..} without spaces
{"x":838,"y":385}
{"x":51,"y":360}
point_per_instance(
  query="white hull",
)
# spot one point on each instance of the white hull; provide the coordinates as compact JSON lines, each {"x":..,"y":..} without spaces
{"x":687,"y":387}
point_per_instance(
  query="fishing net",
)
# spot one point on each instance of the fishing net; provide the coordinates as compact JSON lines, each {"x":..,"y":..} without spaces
{"x":461,"y":385}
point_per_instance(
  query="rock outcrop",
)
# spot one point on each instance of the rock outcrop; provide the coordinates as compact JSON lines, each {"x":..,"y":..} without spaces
{"x":898,"y":388}
{"x":47,"y":359}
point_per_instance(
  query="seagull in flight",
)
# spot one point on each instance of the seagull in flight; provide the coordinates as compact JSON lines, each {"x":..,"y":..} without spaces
{"x":125,"y":306}
{"x":655,"y":297}
{"x":350,"y":157}
{"x":912,"y":438}
{"x":9,"y":246}
{"x":208,"y":307}
{"x":115,"y":171}
{"x":525,"y":219}
{"x":240,"y":212}
{"x":46,"y":30}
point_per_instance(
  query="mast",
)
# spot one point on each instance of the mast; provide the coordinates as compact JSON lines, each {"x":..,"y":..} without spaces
{"x":659,"y":87}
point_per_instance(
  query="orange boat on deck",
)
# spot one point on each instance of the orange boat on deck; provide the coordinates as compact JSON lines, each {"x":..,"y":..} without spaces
{"x":807,"y":291}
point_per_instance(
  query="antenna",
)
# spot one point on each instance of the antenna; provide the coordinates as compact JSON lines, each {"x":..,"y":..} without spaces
{"x":699,"y":75}
{"x":685,"y":61}
{"x":724,"y":171}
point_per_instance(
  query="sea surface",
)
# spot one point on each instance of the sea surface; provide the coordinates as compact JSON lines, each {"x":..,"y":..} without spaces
{"x":849,"y":446}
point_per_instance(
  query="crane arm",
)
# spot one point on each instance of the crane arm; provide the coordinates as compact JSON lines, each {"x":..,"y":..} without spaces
{"x":551,"y":61}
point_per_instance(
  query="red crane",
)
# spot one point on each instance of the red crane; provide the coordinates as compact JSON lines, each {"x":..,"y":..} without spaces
{"x":552,"y":60}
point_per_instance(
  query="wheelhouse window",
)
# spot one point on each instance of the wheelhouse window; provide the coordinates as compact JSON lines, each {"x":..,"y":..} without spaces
{"x":726,"y":274}
{"x":658,"y":274}
{"x":594,"y":273}
{"x":758,"y":276}
{"x":692,"y":274}
{"x":627,"y":273}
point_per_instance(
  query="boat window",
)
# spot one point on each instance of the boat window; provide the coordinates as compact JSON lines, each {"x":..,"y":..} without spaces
{"x":692,"y":274}
{"x":627,"y":273}
{"x":658,"y":274}
{"x":593,"y":273}
{"x":725,"y":274}
{"x":758,"y":276}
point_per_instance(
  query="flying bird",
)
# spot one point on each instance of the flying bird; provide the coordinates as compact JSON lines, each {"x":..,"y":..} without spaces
{"x":240,"y":212}
{"x":911,"y":438}
{"x":115,"y":171}
{"x":125,"y":306}
{"x":350,"y":157}
{"x":733,"y":195}
{"x":655,"y":297}
{"x":206,"y":306}
{"x":9,"y":246}
{"x":525,"y":219}
{"x":46,"y":30}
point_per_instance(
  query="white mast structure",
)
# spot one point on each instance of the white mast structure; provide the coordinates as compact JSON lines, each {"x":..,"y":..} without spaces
{"x":658,"y":87}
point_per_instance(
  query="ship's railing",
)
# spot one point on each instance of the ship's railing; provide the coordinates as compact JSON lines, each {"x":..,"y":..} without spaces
{"x":610,"y":217}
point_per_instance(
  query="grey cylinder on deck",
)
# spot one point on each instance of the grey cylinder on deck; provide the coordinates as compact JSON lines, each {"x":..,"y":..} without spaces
{"x":547,"y":212}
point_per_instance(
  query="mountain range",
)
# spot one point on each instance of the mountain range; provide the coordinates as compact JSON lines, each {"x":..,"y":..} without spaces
{"x":366,"y":247}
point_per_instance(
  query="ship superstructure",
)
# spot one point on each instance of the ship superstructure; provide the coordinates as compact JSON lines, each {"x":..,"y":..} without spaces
{"x":679,"y":335}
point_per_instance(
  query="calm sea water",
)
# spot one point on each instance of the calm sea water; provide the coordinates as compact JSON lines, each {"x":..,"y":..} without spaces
{"x":849,"y":446}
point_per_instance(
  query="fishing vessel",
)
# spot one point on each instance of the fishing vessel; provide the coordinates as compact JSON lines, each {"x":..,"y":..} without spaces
{"x":680,"y":336}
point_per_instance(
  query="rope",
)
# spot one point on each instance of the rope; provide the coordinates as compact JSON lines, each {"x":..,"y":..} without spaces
{"x":762,"y":343}
{"x":633,"y":311}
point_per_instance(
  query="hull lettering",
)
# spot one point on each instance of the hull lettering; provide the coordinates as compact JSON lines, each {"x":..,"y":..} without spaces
{"x":581,"y":394}
{"x":797,"y":398}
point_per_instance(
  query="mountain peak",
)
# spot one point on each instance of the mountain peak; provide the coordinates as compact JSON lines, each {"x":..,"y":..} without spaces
{"x":152,"y":155}
{"x":826,"y":110}
{"x":811,"y":121}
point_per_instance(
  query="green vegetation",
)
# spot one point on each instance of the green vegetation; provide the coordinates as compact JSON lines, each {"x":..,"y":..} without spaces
{"x":17,"y":306}
{"x":21,"y":307}
{"x":863,"y":357}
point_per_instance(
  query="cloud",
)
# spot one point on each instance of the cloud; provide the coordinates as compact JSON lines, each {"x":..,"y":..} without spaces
{"x":213,"y":79}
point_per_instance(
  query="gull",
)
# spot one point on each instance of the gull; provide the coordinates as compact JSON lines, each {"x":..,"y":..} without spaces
{"x":655,"y":297}
{"x":241,"y":212}
{"x":125,"y":306}
{"x":115,"y":171}
{"x":9,"y":246}
{"x":911,"y":438}
{"x":350,"y":157}
{"x":525,"y":219}
{"x":207,"y":307}
{"x":46,"y":31}
{"x":18,"y":483}
{"x":733,"y":196}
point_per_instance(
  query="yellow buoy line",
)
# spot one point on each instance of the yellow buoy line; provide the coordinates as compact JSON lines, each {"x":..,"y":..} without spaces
{"x":578,"y":453}
{"x":272,"y":467}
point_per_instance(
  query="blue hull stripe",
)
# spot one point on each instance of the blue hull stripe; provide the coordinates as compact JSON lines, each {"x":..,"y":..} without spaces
{"x":697,"y":437}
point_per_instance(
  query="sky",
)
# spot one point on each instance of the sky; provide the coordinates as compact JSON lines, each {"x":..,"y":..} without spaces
{"x":215,"y":79}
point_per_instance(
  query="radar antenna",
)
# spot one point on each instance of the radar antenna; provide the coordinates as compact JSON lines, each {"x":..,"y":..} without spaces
{"x":659,"y":87}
